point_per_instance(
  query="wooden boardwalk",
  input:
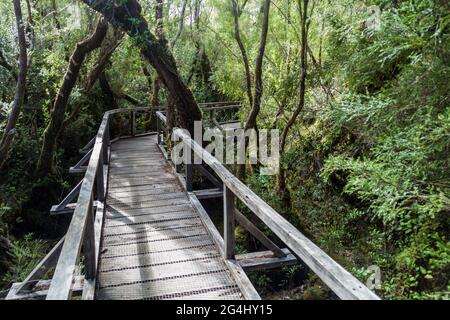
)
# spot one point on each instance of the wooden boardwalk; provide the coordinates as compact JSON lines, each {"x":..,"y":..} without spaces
{"x":154,"y":244}
{"x":144,"y":234}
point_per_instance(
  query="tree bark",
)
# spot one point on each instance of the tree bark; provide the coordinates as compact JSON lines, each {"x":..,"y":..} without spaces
{"x":108,"y":47}
{"x":180,"y":25}
{"x":108,"y":93}
{"x":237,"y":36}
{"x":9,"y":131}
{"x":53,"y":130}
{"x":250,"y":123}
{"x":127,"y":15}
{"x":251,"y":120}
{"x":282,"y":187}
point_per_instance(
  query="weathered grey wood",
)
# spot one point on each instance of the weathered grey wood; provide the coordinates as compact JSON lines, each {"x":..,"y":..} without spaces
{"x":158,"y":130}
{"x":100,"y":180}
{"x":236,"y":270}
{"x":229,"y":223}
{"x":79,"y":168}
{"x":209,"y":193}
{"x":90,"y":284}
{"x":209,"y":176}
{"x":68,"y":209}
{"x":41,"y":290}
{"x":344,"y":284}
{"x":105,"y":147}
{"x":89,"y":246}
{"x":62,"y":206}
{"x":144,"y":251}
{"x":258,"y":234}
{"x":212,"y":230}
{"x":88,"y":146}
{"x":132,"y":123}
{"x":265,"y":260}
{"x":188,"y":167}
{"x":242,"y":280}
{"x":60,"y":288}
{"x":41,"y":269}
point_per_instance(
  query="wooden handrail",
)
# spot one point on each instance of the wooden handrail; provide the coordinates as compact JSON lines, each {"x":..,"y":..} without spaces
{"x":80,"y":233}
{"x":344,"y":284}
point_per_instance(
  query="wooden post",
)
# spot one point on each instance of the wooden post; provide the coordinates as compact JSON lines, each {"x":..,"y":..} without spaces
{"x":106,"y":144}
{"x":229,"y":223}
{"x":100,"y":181}
{"x":132,"y":123}
{"x":188,"y":166}
{"x":158,"y":129}
{"x":89,"y":244}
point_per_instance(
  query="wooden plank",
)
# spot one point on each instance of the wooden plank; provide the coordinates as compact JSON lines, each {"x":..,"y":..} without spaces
{"x":147,"y":228}
{"x":138,"y":193}
{"x":344,"y":284}
{"x":236,"y":270}
{"x":77,"y":168}
{"x":68,"y":199}
{"x":143,"y":249}
{"x":188,"y":167}
{"x":90,"y":284}
{"x":258,"y":234}
{"x":169,"y":288}
{"x":131,"y":220}
{"x":88,"y":146}
{"x":119,"y":213}
{"x":60,"y":288}
{"x":209,"y":193}
{"x":229,"y":223}
{"x":154,"y":235}
{"x":242,"y":280}
{"x":41,"y":290}
{"x":210,"y":227}
{"x":89,"y":246}
{"x":158,"y":258}
{"x":41,"y":269}
{"x":101,"y":190}
{"x":265,"y":260}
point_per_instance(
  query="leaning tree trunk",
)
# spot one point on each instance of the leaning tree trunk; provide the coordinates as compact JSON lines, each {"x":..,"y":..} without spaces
{"x":237,"y":35}
{"x":282,"y":188}
{"x":9,"y":131}
{"x":53,"y":130}
{"x":250,"y":123}
{"x":127,"y":15}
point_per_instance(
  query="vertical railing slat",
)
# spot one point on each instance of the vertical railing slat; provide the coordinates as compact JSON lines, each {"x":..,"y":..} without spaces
{"x":89,"y":245}
{"x":188,"y":167}
{"x":229,"y":223}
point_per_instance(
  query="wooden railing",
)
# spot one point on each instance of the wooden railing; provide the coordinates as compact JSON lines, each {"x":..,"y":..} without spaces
{"x":339,"y":280}
{"x":83,"y":232}
{"x":85,"y":227}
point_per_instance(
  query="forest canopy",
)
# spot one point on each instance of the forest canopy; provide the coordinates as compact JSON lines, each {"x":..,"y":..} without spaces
{"x":359,"y":90}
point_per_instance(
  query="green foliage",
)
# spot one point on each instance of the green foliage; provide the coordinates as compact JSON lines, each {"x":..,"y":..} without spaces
{"x":25,"y":256}
{"x":367,"y":162}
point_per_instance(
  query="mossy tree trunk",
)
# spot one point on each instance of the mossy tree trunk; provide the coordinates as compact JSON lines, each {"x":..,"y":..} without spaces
{"x":53,"y":130}
{"x":127,"y":15}
{"x":10,"y":129}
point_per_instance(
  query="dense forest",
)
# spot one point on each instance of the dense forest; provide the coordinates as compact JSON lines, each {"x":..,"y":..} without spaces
{"x":359,"y":91}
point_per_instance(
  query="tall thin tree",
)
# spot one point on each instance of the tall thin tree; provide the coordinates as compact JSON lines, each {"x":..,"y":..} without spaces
{"x":10,"y":129}
{"x":282,"y":187}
